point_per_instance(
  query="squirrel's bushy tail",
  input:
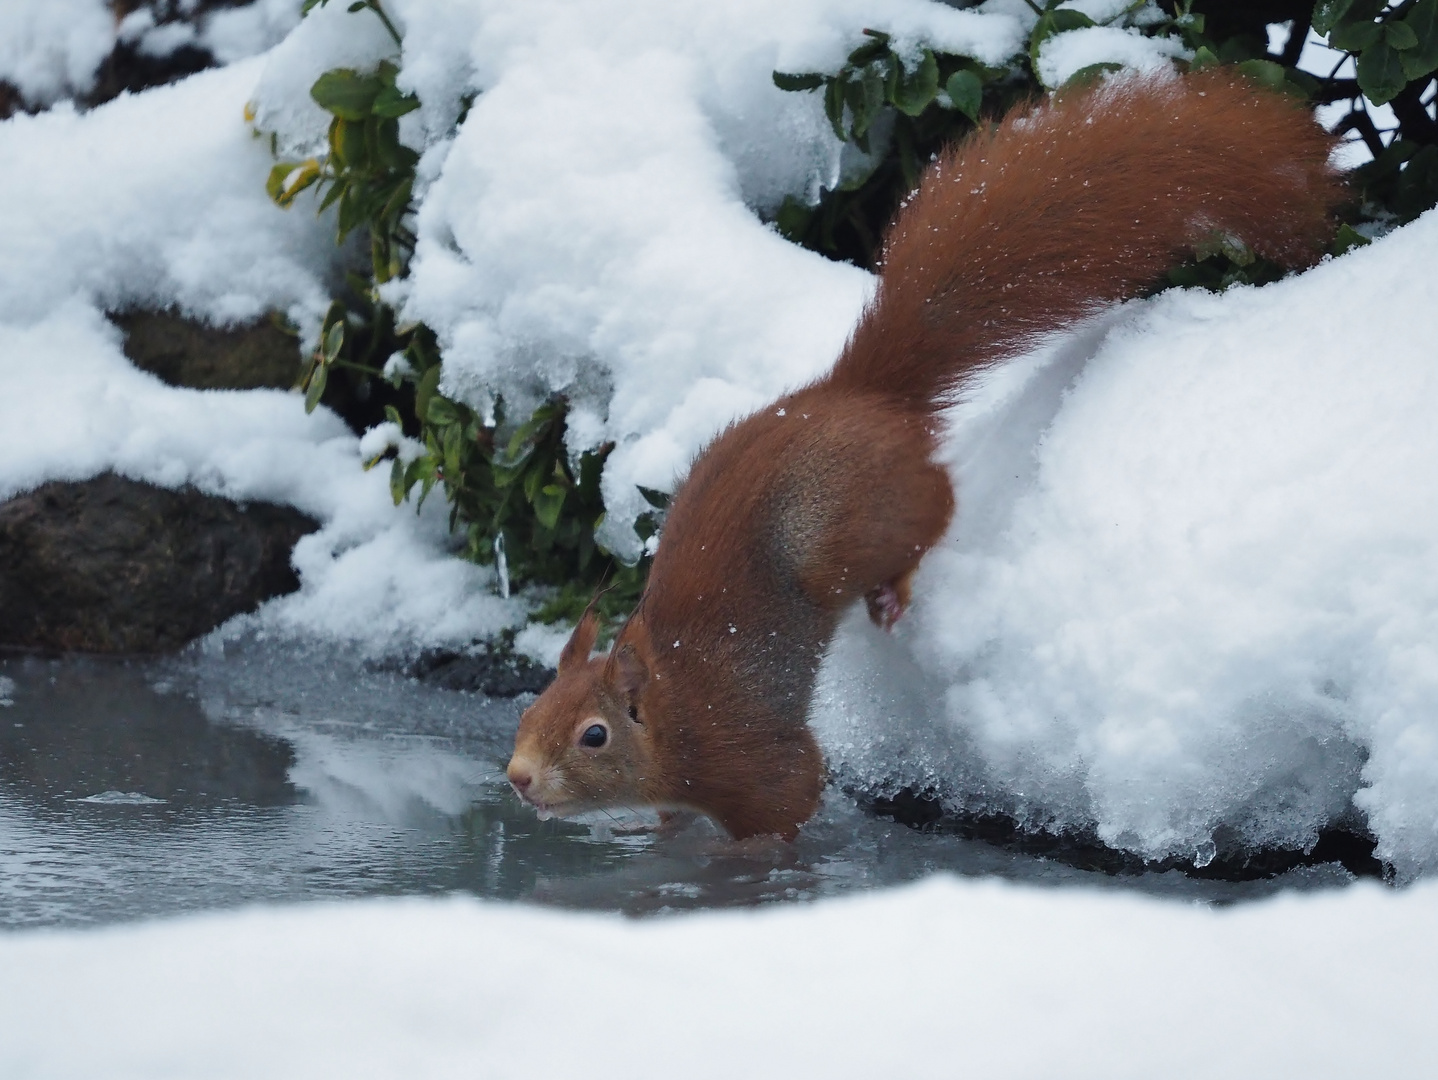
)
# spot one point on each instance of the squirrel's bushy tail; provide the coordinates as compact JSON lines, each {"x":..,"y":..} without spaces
{"x":1082,"y":201}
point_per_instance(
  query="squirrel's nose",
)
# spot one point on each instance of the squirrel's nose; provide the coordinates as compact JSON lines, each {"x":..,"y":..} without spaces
{"x":519,"y":778}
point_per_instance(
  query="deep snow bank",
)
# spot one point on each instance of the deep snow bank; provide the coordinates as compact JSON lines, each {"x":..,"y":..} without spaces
{"x":948,"y":978}
{"x":1194,"y":579}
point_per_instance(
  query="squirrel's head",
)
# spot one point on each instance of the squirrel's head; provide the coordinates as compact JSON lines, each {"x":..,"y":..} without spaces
{"x":583,"y":745}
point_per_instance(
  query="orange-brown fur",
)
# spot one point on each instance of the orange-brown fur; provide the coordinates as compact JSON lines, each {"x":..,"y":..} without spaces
{"x":831,"y":494}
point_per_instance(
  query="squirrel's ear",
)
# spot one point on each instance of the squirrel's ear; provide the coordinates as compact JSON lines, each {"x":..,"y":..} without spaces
{"x":631,"y":672}
{"x":581,"y":642}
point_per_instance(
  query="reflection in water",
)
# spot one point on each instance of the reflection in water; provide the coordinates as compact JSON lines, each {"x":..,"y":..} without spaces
{"x":271,"y":774}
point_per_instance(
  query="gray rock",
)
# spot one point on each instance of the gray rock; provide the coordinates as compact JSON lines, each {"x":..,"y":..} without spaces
{"x":183,"y":352}
{"x":116,"y":566}
{"x":493,"y":672}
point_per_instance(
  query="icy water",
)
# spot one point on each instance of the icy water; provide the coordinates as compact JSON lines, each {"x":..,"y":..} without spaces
{"x":272,"y":774}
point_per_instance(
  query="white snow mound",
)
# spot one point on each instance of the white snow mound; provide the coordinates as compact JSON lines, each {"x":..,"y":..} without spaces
{"x":1191,"y":596}
{"x":996,"y":981}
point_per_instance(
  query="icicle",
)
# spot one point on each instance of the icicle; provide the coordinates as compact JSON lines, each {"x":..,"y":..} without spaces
{"x":501,"y":564}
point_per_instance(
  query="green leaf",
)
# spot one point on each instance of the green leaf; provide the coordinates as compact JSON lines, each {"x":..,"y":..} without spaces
{"x":1400,"y":35}
{"x":333,"y":341}
{"x":505,"y":474}
{"x":351,"y":213}
{"x":1264,"y":72}
{"x":834,"y":107}
{"x":870,"y":50}
{"x":347,"y":137}
{"x":893,"y":77}
{"x":318,"y":377}
{"x":1355,"y":37}
{"x":533,"y":481}
{"x":1380,"y":73}
{"x":1203,"y":57}
{"x":428,"y":474}
{"x":805,"y":81}
{"x":1347,"y":239}
{"x":871,"y":102}
{"x":391,"y":102}
{"x":453,"y":461}
{"x":398,"y":201}
{"x":793,"y":219}
{"x":1092,"y":73}
{"x":425,"y":389}
{"x":1423,"y":21}
{"x":966,"y":91}
{"x":337,"y":189}
{"x":655,"y":498}
{"x":346,"y":93}
{"x":547,"y":503}
{"x":442,"y":411}
{"x":389,"y":152}
{"x":915,"y":92}
{"x":1190,"y":22}
{"x":275,"y":182}
{"x":397,"y":487}
{"x":289,"y":178}
{"x":1417,"y":187}
{"x":1327,"y":13}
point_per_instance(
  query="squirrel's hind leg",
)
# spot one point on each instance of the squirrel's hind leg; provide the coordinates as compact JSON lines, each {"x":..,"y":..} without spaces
{"x":888,"y":602}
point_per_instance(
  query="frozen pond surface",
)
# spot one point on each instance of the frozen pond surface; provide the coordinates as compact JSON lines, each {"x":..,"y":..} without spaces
{"x":134,"y":789}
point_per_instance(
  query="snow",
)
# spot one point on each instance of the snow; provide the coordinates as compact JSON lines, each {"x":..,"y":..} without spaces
{"x":232,"y":34}
{"x":122,"y":798}
{"x":50,"y":49}
{"x":1063,"y":55}
{"x":105,"y":210}
{"x":948,"y":978}
{"x":1190,"y":593}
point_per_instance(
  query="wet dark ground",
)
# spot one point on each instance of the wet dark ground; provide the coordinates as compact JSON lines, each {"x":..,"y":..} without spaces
{"x":133,"y":789}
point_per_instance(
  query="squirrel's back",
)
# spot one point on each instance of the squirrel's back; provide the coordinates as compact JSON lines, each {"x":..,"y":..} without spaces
{"x":1084,"y":200}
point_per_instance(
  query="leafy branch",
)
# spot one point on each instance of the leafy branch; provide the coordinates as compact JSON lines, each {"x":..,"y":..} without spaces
{"x":515,"y":494}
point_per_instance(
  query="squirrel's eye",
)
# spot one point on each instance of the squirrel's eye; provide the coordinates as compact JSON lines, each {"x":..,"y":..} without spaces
{"x":595,"y":735}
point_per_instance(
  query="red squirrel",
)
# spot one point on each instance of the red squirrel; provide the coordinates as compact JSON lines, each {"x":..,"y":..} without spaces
{"x":831,"y":494}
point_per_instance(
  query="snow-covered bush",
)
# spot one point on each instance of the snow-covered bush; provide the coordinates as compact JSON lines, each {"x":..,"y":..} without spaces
{"x":527,"y":495}
{"x":894,"y":102}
